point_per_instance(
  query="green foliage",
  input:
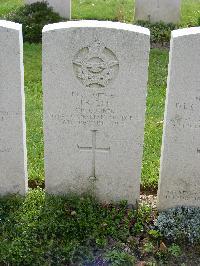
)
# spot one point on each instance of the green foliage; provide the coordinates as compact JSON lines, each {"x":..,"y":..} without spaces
{"x":34,"y":17}
{"x":120,"y":258}
{"x":154,"y":234}
{"x":62,"y":230}
{"x":148,"y":247}
{"x":174,"y":250}
{"x":160,"y":31}
{"x":143,"y":217}
{"x":180,"y":224}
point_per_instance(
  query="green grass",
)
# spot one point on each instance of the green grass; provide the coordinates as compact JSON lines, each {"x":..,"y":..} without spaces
{"x":52,"y":230}
{"x":33,"y":92}
{"x":190,"y":12}
{"x":154,"y":117}
{"x":7,"y":6}
{"x":120,"y":10}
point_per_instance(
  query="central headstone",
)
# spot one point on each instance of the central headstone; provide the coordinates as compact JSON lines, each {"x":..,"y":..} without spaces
{"x":94,"y":78}
{"x":167,"y":11}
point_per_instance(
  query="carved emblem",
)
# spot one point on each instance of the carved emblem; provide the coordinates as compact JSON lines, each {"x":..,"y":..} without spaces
{"x":96,"y":66}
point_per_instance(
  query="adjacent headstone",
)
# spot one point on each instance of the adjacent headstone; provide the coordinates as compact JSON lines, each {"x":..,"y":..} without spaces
{"x":94,"y":78}
{"x":167,"y":11}
{"x":13,"y":162}
{"x":63,"y":7}
{"x":180,"y":162}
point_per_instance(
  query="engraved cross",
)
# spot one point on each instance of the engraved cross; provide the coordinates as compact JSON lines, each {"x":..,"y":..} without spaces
{"x":93,"y":149}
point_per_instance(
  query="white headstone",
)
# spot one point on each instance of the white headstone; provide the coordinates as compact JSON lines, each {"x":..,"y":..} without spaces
{"x":63,"y":7}
{"x":167,"y":11}
{"x":180,"y":162}
{"x":13,"y":161}
{"x":95,"y":77}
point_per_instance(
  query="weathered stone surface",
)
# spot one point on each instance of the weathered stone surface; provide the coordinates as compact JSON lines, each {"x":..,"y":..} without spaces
{"x":167,"y":11}
{"x":63,"y":7}
{"x":94,"y":78}
{"x":180,"y":162}
{"x":13,"y":162}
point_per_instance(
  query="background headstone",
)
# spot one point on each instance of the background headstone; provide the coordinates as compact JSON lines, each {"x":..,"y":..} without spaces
{"x":180,"y":162}
{"x":13,"y":160}
{"x":94,"y":79}
{"x":63,"y":7}
{"x":167,"y":11}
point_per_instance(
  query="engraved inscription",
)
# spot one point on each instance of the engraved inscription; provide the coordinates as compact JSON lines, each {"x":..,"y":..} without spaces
{"x":94,"y":109}
{"x":182,"y":195}
{"x":3,"y":147}
{"x":184,"y":190}
{"x":186,"y":115}
{"x":95,"y":66}
{"x":5,"y":117}
{"x":3,"y":150}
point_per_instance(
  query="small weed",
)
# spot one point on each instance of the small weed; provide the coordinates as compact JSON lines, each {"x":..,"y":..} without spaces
{"x":116,"y":257}
{"x":174,"y":250}
{"x":148,"y":247}
{"x":155,"y":234}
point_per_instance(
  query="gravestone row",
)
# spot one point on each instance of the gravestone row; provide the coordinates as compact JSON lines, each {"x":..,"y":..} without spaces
{"x":167,"y":11}
{"x":94,"y":109}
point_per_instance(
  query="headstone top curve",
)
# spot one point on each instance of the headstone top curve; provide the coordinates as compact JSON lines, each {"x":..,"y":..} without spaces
{"x":10,"y":25}
{"x":96,"y":24}
{"x":185,"y":32}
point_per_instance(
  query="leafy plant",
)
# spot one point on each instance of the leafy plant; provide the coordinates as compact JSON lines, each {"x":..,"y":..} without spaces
{"x":160,"y":31}
{"x":143,"y":217}
{"x":148,"y":247}
{"x":33,"y":18}
{"x":155,"y":234}
{"x":121,"y":258}
{"x":180,"y":224}
{"x":174,"y":250}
